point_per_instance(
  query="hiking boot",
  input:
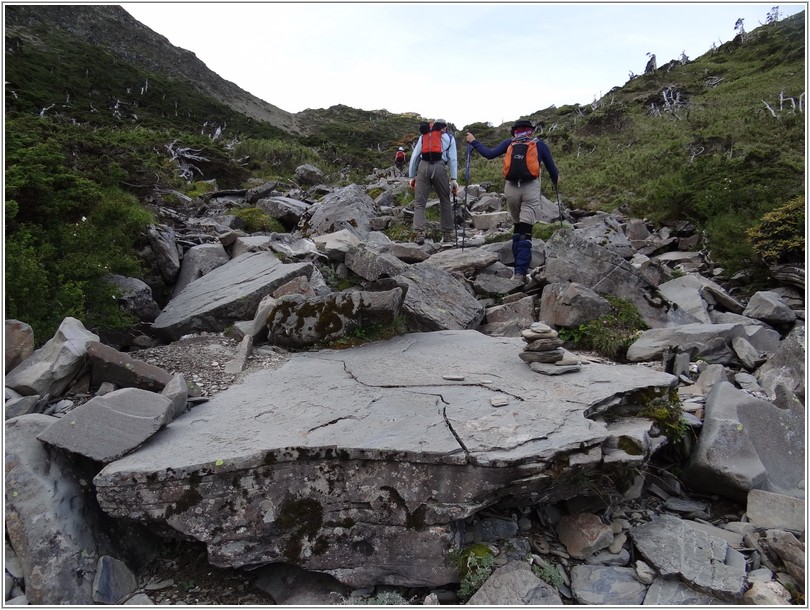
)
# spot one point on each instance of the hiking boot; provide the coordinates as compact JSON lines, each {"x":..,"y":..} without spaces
{"x":419,"y":237}
{"x":520,"y":277}
{"x":448,"y":238}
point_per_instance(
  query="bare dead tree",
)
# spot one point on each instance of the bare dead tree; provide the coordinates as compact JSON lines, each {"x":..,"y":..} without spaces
{"x":783,"y":98}
{"x":184,"y":156}
{"x":771,"y":110}
{"x":651,"y":64}
{"x":695,"y":151}
{"x":44,"y":110}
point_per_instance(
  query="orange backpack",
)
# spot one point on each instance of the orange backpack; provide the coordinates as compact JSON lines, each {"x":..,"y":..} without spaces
{"x":432,"y":147}
{"x":521,"y":161}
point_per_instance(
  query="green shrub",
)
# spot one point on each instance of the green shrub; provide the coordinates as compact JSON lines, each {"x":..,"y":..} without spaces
{"x":257,"y":221}
{"x":476,"y":564}
{"x":397,"y":231}
{"x":668,"y":416}
{"x":279,"y":157}
{"x":56,"y":272}
{"x":778,"y":238}
{"x":369,"y":334}
{"x":609,"y":335}
{"x":385,"y":598}
{"x":548,"y":573}
{"x":544,"y":231}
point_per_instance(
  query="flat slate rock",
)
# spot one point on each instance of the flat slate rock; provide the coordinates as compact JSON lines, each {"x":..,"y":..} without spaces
{"x":376,"y":436}
{"x":394,"y":398}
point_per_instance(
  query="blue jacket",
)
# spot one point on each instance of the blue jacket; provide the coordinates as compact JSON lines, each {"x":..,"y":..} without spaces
{"x":449,"y":156}
{"x":543,"y":153}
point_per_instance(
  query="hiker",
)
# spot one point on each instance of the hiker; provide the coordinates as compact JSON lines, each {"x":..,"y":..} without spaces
{"x":434,"y":154}
{"x":399,"y":160}
{"x":523,"y":159}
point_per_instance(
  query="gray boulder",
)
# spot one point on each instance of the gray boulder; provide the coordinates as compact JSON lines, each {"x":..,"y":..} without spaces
{"x":286,"y":210}
{"x":110,"y":426}
{"x":110,"y":365}
{"x":51,"y":368}
{"x":508,"y":319}
{"x":308,"y":174}
{"x":371,"y":265}
{"x":197,"y":261}
{"x":514,"y":584}
{"x":254,"y":194}
{"x":347,"y":208}
{"x":570,"y":304}
{"x":680,"y":551}
{"x":770,"y":308}
{"x":299,"y":321}
{"x":673,"y":593}
{"x":336,"y":245}
{"x":19,"y":340}
{"x":48,"y":519}
{"x":606,"y":586}
{"x":685,"y":292}
{"x":783,"y":375}
{"x":227,"y":294}
{"x":747,"y":443}
{"x":467,"y":260}
{"x":570,"y":258}
{"x":163,"y":241}
{"x":135,"y":297}
{"x":436,"y":300}
{"x":604,"y":229}
{"x":710,"y":342}
{"x":381,"y":470}
{"x":113,"y":582}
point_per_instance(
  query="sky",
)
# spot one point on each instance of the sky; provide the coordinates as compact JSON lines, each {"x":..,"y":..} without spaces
{"x":463,"y":62}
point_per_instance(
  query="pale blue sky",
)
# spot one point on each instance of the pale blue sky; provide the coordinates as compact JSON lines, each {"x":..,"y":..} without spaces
{"x":464,"y":62}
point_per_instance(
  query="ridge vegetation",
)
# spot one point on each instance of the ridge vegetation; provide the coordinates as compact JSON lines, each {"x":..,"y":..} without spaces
{"x":94,"y":137}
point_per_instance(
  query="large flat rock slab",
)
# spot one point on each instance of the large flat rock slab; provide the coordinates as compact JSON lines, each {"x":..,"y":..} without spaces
{"x":228,"y":294}
{"x":386,"y":442}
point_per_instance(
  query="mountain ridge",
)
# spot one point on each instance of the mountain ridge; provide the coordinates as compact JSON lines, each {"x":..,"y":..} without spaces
{"x":113,"y":28}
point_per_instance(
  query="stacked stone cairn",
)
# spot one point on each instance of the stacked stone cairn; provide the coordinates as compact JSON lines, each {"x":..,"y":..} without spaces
{"x":544,"y":352}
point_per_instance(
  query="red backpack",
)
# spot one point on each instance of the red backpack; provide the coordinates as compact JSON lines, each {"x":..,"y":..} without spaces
{"x":521,"y":161}
{"x":432,"y":147}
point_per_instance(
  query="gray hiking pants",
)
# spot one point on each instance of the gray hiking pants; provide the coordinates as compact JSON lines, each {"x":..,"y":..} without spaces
{"x":523,"y":202}
{"x":432,"y":175}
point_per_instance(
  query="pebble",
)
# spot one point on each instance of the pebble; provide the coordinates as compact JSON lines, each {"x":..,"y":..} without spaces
{"x":499,"y":401}
{"x":453,"y":377}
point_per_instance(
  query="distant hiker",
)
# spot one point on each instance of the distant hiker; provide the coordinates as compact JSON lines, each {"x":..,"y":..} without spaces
{"x":435,"y":151}
{"x":399,"y":160}
{"x":523,"y":159}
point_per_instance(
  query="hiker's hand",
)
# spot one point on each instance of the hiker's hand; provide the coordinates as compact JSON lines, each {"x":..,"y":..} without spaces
{"x":470,"y":137}
{"x":413,"y":183}
{"x":454,"y":187}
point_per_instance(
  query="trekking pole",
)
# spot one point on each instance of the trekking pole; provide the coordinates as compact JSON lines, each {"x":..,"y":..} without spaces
{"x":559,"y":205}
{"x":466,"y":190}
{"x":455,"y":218}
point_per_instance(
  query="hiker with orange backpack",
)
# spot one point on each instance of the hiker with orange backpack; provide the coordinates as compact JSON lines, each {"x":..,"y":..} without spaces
{"x":433,"y":157}
{"x":399,"y":160}
{"x":524,"y":157}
